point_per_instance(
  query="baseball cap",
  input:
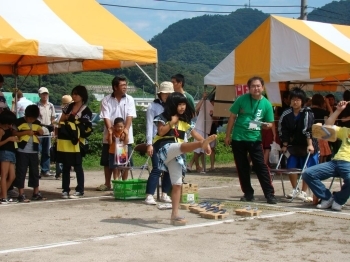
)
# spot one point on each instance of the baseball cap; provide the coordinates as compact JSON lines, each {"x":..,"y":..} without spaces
{"x":43,"y":90}
{"x":166,"y":87}
{"x":66,"y":99}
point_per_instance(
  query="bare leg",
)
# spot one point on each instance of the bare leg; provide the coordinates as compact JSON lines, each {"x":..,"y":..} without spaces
{"x":196,"y":161}
{"x":175,"y":199}
{"x":4,"y":177}
{"x":108,"y":175}
{"x":293,"y":178}
{"x":212,"y":158}
{"x":189,"y":147}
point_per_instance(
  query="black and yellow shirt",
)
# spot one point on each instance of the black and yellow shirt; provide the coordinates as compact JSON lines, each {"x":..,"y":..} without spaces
{"x":22,"y":125}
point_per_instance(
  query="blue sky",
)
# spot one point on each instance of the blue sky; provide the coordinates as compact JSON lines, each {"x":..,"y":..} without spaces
{"x":148,"y":23}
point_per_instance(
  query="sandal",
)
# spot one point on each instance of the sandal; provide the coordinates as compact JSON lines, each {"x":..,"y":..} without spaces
{"x":178,"y":221}
{"x":103,"y":187}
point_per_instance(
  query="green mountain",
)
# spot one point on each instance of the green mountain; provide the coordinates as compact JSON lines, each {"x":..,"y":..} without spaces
{"x":192,"y":47}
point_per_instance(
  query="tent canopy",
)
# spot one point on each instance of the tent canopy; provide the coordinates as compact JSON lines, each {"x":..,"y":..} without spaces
{"x":283,"y":49}
{"x":49,"y":36}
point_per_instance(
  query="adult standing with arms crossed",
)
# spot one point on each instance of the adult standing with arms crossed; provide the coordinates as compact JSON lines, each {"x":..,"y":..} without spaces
{"x":117,"y":104}
{"x":46,"y":118}
{"x":243,"y":133}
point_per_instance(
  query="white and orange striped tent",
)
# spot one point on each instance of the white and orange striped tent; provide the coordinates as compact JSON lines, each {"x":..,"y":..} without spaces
{"x":287,"y":51}
{"x":50,"y":36}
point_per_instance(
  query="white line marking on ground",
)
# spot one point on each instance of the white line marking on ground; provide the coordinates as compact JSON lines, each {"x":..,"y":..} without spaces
{"x":154,"y":231}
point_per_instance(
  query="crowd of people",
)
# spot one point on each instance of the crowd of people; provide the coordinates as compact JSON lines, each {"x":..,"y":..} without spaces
{"x":170,"y":122}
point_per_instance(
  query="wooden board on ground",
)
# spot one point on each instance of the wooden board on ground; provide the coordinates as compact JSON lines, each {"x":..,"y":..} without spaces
{"x":185,"y":206}
{"x":247,"y":213}
{"x":211,"y":215}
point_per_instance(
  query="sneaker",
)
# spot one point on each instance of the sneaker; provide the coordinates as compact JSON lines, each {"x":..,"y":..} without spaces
{"x":77,"y":195}
{"x":165,"y":198}
{"x":294,"y":193}
{"x":150,"y":200}
{"x":65,"y":195}
{"x":46,"y":174}
{"x":4,"y":201}
{"x":37,"y":197}
{"x":12,"y":200}
{"x":23,"y":199}
{"x":301,"y":195}
{"x":325,"y":203}
{"x":247,"y":198}
{"x":336,"y":206}
{"x":271,"y":200}
{"x":12,"y":193}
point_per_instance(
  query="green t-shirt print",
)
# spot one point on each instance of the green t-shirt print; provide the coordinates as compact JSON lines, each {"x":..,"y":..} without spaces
{"x":247,"y":109}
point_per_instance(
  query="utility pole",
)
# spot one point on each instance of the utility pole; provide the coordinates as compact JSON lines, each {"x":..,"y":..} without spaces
{"x":303,"y":7}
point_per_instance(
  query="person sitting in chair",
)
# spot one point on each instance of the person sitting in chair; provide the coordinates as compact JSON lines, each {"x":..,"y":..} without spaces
{"x":339,"y":166}
{"x":294,"y":129}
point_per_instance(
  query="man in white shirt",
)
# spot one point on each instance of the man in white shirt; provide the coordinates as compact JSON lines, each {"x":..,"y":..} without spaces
{"x":22,"y":103}
{"x":46,"y":117}
{"x":117,"y":104}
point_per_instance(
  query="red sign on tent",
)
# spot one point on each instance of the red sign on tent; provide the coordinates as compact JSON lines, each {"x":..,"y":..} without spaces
{"x":241,"y":90}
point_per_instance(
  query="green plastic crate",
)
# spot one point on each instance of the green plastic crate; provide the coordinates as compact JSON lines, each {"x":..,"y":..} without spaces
{"x":129,"y":189}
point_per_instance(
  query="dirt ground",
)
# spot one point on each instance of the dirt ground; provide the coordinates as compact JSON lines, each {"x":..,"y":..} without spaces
{"x":100,"y":228}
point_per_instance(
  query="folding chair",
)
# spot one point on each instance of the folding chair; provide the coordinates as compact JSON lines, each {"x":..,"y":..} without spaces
{"x":289,"y":171}
{"x":330,"y":186}
{"x":142,"y":149}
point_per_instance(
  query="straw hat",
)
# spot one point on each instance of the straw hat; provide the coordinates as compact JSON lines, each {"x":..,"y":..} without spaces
{"x":66,"y":99}
{"x":166,"y":87}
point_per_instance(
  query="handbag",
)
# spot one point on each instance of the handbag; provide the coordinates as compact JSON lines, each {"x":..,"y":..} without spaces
{"x":120,"y":154}
{"x":84,"y":148}
{"x":53,"y":152}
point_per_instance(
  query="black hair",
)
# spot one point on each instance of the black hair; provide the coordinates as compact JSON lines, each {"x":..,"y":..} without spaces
{"x":179,"y":78}
{"x":317,"y":100}
{"x":171,"y":104}
{"x":298,"y":93}
{"x":346,"y":95}
{"x":7,"y":117}
{"x":1,"y":78}
{"x":118,"y":120}
{"x":82,"y":92}
{"x":255,"y":78}
{"x":32,"y":111}
{"x":116,"y":80}
{"x":330,"y":95}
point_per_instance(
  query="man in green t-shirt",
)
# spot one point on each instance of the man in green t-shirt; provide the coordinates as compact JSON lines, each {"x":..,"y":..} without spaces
{"x":178,"y":81}
{"x":249,"y":113}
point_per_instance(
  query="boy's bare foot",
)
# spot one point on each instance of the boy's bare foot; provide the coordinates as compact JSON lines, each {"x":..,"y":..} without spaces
{"x":207,"y":141}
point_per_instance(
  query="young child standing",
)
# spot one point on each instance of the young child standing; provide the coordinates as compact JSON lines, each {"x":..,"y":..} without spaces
{"x":115,"y":137}
{"x":28,"y":128}
{"x":172,"y":125}
{"x":7,"y":153}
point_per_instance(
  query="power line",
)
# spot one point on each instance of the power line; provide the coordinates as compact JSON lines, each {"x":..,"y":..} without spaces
{"x":324,"y":10}
{"x":190,"y":3}
{"x":189,"y":11}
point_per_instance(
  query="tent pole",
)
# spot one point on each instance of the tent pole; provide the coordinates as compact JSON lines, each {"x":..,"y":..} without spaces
{"x":156,"y":77}
{"x":205,"y":131}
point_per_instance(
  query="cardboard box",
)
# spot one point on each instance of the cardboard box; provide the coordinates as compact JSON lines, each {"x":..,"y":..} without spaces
{"x":189,"y":188}
{"x":189,"y":198}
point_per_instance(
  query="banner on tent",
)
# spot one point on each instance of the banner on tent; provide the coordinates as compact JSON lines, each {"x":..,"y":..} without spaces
{"x":241,"y":90}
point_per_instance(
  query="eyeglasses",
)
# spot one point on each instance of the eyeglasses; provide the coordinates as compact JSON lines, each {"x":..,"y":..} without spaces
{"x":296,"y":100}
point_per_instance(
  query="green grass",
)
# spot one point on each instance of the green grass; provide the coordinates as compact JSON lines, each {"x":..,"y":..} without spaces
{"x":92,"y":162}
